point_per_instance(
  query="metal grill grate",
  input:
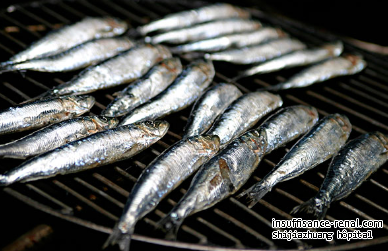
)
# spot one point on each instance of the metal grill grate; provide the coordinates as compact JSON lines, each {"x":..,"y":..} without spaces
{"x":95,"y":199}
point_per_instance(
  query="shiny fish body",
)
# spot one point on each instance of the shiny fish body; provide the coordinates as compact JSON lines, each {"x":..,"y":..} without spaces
{"x":77,"y":57}
{"x":339,"y":66}
{"x":123,"y":68}
{"x":258,"y":53}
{"x":233,"y":40}
{"x":225,"y":173}
{"x":209,"y":106}
{"x":43,"y":112}
{"x":356,"y":161}
{"x":205,"y":31}
{"x":179,"y":95}
{"x":244,"y":113}
{"x":150,"y":85}
{"x":161,"y":176}
{"x":297,"y":58}
{"x":96,"y":150}
{"x":191,"y":17}
{"x":69,"y":36}
{"x":323,"y":141}
{"x":56,"y":135}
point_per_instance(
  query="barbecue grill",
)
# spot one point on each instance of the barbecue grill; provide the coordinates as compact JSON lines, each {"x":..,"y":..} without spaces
{"x":90,"y":203}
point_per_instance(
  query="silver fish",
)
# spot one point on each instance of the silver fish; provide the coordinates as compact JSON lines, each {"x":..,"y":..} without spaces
{"x":123,"y":68}
{"x":225,"y":173}
{"x":95,"y":150}
{"x":76,"y":58}
{"x":69,"y":36}
{"x":244,"y":113}
{"x":209,"y":106}
{"x":339,"y":66}
{"x":150,"y":85}
{"x":234,"y":40}
{"x":56,"y":135}
{"x":163,"y":175}
{"x":356,"y":161}
{"x":179,"y":95}
{"x":323,"y":141}
{"x":258,"y":53}
{"x":43,"y":112}
{"x":191,"y":17}
{"x":205,"y":31}
{"x":297,"y":58}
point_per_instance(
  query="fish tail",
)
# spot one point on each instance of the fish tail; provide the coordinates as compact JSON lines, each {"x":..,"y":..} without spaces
{"x":170,"y":225}
{"x":312,"y":206}
{"x":123,"y":240}
{"x":7,"y":68}
{"x":256,"y":192}
{"x":4,"y":181}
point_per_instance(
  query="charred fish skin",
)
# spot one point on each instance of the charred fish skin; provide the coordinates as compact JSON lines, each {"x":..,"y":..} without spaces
{"x":67,"y":37}
{"x":54,"y":136}
{"x":356,"y":161}
{"x":183,"y":92}
{"x":339,"y":66}
{"x":150,"y":85}
{"x":258,"y":53}
{"x":323,"y":141}
{"x":76,"y":58}
{"x":208,"y":107}
{"x":43,"y":112}
{"x":205,"y":31}
{"x":191,"y":17}
{"x":162,"y":175}
{"x":244,"y":113}
{"x":123,"y":68}
{"x":96,"y":150}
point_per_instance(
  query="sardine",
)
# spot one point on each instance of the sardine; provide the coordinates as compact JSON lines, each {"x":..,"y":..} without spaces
{"x":258,"y":53}
{"x":123,"y":68}
{"x":150,"y":85}
{"x":209,"y":106}
{"x":318,"y":145}
{"x":179,"y":95}
{"x":69,"y":36}
{"x":356,"y":161}
{"x":95,"y":150}
{"x":205,"y":31}
{"x":234,"y":40}
{"x":32,"y":115}
{"x":297,"y":58}
{"x":56,"y":135}
{"x":244,"y":113}
{"x":76,"y":58}
{"x":191,"y":17}
{"x":229,"y":170}
{"x":339,"y":66}
{"x":163,"y":175}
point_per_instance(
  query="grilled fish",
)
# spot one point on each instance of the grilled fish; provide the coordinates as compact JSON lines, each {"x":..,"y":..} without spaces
{"x":323,"y":141}
{"x":43,"y":112}
{"x":339,"y":66}
{"x":182,"y":93}
{"x":123,"y":68}
{"x":297,"y":58}
{"x":205,"y":31}
{"x":242,"y":114}
{"x":208,"y":107}
{"x":76,"y":58}
{"x":56,"y":135}
{"x":163,"y":175}
{"x":96,"y":150}
{"x":258,"y":53}
{"x":67,"y":37}
{"x":225,"y":173}
{"x":234,"y":40}
{"x":356,"y":161}
{"x":191,"y":17}
{"x":150,"y":85}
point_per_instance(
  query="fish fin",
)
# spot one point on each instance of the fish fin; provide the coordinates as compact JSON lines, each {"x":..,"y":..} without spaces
{"x":257,"y":191}
{"x":313,"y":206}
{"x":170,"y":226}
{"x":123,"y":240}
{"x":6,"y":68}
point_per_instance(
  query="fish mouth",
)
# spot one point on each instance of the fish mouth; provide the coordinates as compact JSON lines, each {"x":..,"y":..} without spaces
{"x":344,"y":122}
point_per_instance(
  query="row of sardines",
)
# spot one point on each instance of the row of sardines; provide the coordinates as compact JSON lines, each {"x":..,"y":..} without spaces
{"x":218,"y":142}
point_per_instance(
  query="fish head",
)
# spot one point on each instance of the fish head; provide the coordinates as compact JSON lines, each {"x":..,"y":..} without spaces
{"x":104,"y":123}
{"x":163,"y":51}
{"x":208,"y":144}
{"x":79,"y":104}
{"x":344,"y":123}
{"x":312,"y":112}
{"x":172,"y":64}
{"x":156,"y":128}
{"x":206,"y":66}
{"x":111,"y":26}
{"x":383,"y":138}
{"x":335,"y":49}
{"x":276,"y":100}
